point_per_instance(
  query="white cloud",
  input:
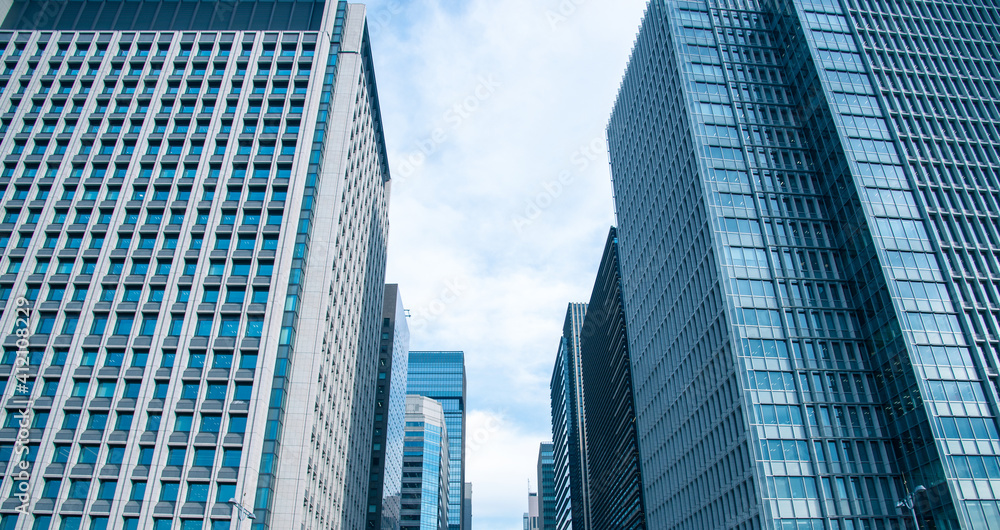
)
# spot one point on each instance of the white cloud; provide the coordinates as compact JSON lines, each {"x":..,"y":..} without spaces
{"x":502,"y":221}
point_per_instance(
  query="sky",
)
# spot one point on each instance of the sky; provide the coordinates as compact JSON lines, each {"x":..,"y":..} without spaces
{"x":494,"y":114}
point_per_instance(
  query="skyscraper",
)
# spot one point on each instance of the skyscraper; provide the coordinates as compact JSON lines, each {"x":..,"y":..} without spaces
{"x":614,"y":479}
{"x":467,"y":507}
{"x":194,"y":203}
{"x":531,"y":516}
{"x":441,"y":376}
{"x":805,"y":201}
{"x":567,"y":416}
{"x":425,"y":466}
{"x":390,"y":407}
{"x":546,"y":488}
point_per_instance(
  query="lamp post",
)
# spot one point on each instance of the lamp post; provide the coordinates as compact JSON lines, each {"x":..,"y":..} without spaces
{"x":910,"y":502}
{"x":241,"y":512}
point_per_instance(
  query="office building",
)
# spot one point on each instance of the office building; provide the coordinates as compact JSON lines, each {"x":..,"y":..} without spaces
{"x":546,"y":488}
{"x":566,"y":393}
{"x":390,"y":408}
{"x":804,"y":192}
{"x":614,"y":478}
{"x":441,"y":376}
{"x":194,"y":203}
{"x":467,"y":507}
{"x":531,"y":516}
{"x":425,"y":466}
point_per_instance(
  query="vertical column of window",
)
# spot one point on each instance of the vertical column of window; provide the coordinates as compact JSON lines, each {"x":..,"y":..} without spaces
{"x":743,"y":248}
{"x":286,"y":339}
{"x":953,"y":389}
{"x":780,"y":431}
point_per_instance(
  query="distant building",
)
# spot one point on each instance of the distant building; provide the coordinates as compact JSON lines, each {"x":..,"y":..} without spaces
{"x":615,"y":481}
{"x":390,"y":408}
{"x":425,"y":466}
{"x":440,"y":375}
{"x":546,"y":488}
{"x":467,"y":507}
{"x":566,"y":396}
{"x":531,"y":516}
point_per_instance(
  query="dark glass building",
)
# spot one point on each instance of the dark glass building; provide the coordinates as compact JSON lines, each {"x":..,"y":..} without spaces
{"x":566,"y":389}
{"x":194,"y":203}
{"x":614,"y":478}
{"x":807,"y":199}
{"x":440,"y":375}
{"x":546,"y":488}
{"x":390,"y":407}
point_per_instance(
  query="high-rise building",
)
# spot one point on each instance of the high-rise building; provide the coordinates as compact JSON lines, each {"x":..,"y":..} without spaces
{"x":546,"y":487}
{"x":194,"y":207}
{"x":805,"y":193}
{"x":567,"y":417}
{"x":531,"y":516}
{"x":614,"y":478}
{"x":440,"y":375}
{"x":467,"y":507}
{"x":390,"y":407}
{"x":425,"y":466}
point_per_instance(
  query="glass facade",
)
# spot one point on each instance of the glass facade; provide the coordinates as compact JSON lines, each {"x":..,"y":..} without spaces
{"x":546,"y":488}
{"x":425,"y":466}
{"x":614,"y":479}
{"x":441,"y":376}
{"x":159,"y":192}
{"x":390,"y":407}
{"x":809,"y":262}
{"x":567,"y":414}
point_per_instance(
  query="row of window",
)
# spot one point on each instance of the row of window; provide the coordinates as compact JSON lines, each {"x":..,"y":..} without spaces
{"x":124,"y":48}
{"x":109,"y":388}
{"x":139,"y":358}
{"x":209,"y":423}
{"x":73,"y":522}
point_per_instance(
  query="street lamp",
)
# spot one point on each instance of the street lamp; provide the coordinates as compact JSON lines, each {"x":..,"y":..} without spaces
{"x":910,"y":502}
{"x":242,"y":512}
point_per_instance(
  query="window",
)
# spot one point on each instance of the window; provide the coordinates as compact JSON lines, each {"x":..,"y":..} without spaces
{"x":138,"y":491}
{"x":124,"y":325}
{"x":97,"y":422}
{"x":116,"y":454}
{"x":168,"y":493}
{"x":106,"y":491}
{"x":235,"y":296}
{"x":260,"y":296}
{"x":241,"y":268}
{"x":231,"y":458}
{"x":216,"y":391}
{"x":190,"y":391}
{"x":210,"y":296}
{"x":197,"y":492}
{"x":238,"y":424}
{"x":148,"y":326}
{"x":204,"y":458}
{"x":204,"y":327}
{"x":210,"y":423}
{"x":183,"y":423}
{"x":124,"y":422}
{"x":78,"y":489}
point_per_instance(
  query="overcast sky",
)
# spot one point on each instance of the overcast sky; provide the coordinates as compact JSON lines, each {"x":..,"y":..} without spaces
{"x":494,"y":115}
